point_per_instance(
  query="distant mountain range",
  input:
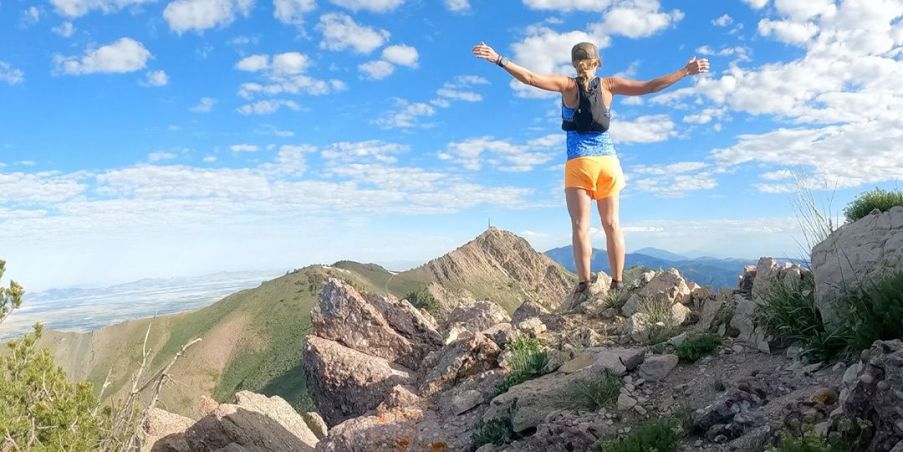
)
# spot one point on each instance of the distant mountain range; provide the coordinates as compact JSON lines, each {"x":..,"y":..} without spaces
{"x":701,"y":270}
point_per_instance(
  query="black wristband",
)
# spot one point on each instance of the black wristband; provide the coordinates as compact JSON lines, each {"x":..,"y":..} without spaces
{"x":502,"y":62}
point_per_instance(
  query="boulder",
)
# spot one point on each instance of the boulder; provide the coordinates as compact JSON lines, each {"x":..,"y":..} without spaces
{"x":669,"y":284}
{"x":316,"y":423}
{"x":466,"y":400}
{"x":564,"y":431}
{"x":855,"y":254}
{"x":744,"y":322}
{"x":165,"y":432}
{"x":461,"y":359}
{"x":527,"y":404}
{"x":255,"y":422}
{"x":415,"y":324}
{"x":501,"y":334}
{"x":657,"y":367}
{"x":344,"y":316}
{"x":715,"y":312}
{"x":532,"y":327}
{"x":528,"y":309}
{"x":477,"y":316}
{"x":876,"y":393}
{"x":344,"y":383}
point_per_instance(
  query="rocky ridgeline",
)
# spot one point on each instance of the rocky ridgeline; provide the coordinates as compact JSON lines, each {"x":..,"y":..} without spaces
{"x":386,"y":376}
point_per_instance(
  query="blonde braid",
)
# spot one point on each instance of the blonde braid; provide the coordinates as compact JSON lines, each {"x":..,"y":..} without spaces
{"x":583,"y":69}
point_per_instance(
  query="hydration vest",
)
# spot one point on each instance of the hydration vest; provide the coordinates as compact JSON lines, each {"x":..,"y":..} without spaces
{"x":590,"y":114}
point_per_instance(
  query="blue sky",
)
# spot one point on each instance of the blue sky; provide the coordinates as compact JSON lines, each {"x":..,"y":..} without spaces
{"x":148,"y":138}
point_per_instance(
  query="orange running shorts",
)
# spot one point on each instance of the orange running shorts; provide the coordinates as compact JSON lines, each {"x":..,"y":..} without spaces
{"x":600,"y":176}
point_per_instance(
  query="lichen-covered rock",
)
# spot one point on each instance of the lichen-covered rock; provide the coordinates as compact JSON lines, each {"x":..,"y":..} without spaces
{"x":527,"y":404}
{"x":657,"y":367}
{"x":344,"y":316}
{"x":477,"y":316}
{"x":855,"y":254}
{"x":255,"y":422}
{"x":461,"y":359}
{"x":344,"y":383}
{"x":876,"y":394}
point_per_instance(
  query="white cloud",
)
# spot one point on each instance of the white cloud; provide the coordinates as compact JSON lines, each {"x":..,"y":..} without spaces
{"x":801,"y":11}
{"x":267,"y":107}
{"x":156,"y":78}
{"x":160,"y":156}
{"x":796,"y":33}
{"x":200,"y":15}
{"x":457,"y":5}
{"x":287,"y":63}
{"x":377,"y":6}
{"x":377,"y":69}
{"x":451,"y":91}
{"x":65,"y":29}
{"x":741,"y":52}
{"x":363,"y":152}
{"x":405,"y":115}
{"x":401,"y":55}
{"x":756,"y":4}
{"x":292,"y":11}
{"x":705,"y":116}
{"x":669,"y":168}
{"x":568,"y":5}
{"x":503,"y":155}
{"x":244,"y":148}
{"x":283,"y":74}
{"x":546,"y":51}
{"x":123,"y":55}
{"x":253,"y":63}
{"x":341,"y":32}
{"x":644,"y":129}
{"x":638,"y":18}
{"x":723,"y":21}
{"x":32,"y":15}
{"x":205,"y":105}
{"x":77,"y":8}
{"x":10,"y":74}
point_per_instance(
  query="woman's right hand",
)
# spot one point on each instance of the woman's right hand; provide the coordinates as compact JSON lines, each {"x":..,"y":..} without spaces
{"x":696,"y":66}
{"x":485,"y":52}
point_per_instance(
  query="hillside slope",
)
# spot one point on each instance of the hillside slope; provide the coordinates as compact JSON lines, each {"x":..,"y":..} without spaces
{"x":252,"y":339}
{"x":497,"y":266}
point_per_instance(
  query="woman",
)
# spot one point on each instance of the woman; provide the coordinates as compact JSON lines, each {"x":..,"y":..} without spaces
{"x":592,"y":171}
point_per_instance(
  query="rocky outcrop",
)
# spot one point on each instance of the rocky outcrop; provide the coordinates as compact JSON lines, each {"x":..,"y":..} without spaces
{"x":252,"y":423}
{"x":476,"y":316}
{"x":874,"y":392}
{"x":856,"y":254}
{"x":345,"y":383}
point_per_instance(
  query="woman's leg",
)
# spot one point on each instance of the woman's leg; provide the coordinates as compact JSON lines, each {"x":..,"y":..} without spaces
{"x":614,"y":238}
{"x":579,"y":202}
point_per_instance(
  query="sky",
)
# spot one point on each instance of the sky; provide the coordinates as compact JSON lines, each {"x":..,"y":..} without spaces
{"x":157,"y":138}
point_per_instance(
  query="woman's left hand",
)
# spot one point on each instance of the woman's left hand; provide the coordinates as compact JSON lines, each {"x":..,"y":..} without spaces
{"x":485,"y":52}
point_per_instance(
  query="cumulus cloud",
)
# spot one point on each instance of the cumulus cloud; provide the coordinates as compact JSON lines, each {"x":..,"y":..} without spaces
{"x":283,"y":73}
{"x":268,"y":107}
{"x":457,"y":5}
{"x":376,"y":69}
{"x":644,"y":129}
{"x":638,"y":18}
{"x":10,"y":74}
{"x":123,"y":55}
{"x":672,"y":179}
{"x":292,"y":11}
{"x":77,"y":8}
{"x":205,"y":105}
{"x":200,"y":15}
{"x":341,"y":32}
{"x":363,"y":152}
{"x":65,"y":29}
{"x":156,"y":78}
{"x":401,"y":55}
{"x":377,"y":6}
{"x":723,"y":21}
{"x":796,"y":33}
{"x":405,"y":115}
{"x":756,"y":4}
{"x":503,"y":155}
{"x":160,"y":156}
{"x":244,"y":148}
{"x":568,"y":5}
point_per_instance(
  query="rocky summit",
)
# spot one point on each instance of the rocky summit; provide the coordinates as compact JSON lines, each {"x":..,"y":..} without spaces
{"x":559,"y":374}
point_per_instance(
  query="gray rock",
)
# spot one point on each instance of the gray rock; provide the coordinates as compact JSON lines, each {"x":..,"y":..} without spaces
{"x":466,"y":400}
{"x":532,"y":327}
{"x":625,"y":402}
{"x":459,"y":360}
{"x":528,"y":403}
{"x":344,"y":383}
{"x":255,"y":422}
{"x":477,"y":316}
{"x":501,"y":334}
{"x":855,"y":254}
{"x":528,"y":309}
{"x":873,"y":394}
{"x":669,"y":284}
{"x":657,"y":367}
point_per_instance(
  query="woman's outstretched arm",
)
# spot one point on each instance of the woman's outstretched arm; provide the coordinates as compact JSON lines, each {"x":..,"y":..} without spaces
{"x":557,"y":83}
{"x":626,"y":87}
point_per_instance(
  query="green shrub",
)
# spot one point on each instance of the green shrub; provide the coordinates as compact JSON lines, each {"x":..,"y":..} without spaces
{"x":498,"y":432}
{"x":616,"y":298}
{"x":696,"y":346}
{"x":789,"y":314}
{"x":808,"y":442}
{"x":598,"y":391}
{"x":423,"y":299}
{"x":879,"y":199}
{"x":873,"y":312}
{"x":657,"y":435}
{"x":528,"y":360}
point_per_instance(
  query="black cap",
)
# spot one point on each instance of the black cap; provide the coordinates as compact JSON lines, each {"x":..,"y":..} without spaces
{"x":584,"y":51}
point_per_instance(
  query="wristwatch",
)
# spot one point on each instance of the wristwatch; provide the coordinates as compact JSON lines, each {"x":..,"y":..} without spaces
{"x":502,"y":62}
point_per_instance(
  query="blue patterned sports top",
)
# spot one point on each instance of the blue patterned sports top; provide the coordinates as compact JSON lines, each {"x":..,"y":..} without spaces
{"x":586,"y":144}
